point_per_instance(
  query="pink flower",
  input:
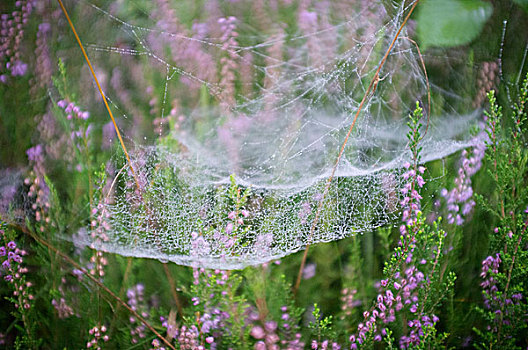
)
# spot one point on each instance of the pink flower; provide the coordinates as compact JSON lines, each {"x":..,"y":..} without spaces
{"x":258,"y":332}
{"x":229,"y":228}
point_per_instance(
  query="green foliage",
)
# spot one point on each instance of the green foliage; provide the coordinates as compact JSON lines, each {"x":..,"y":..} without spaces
{"x":451,"y":22}
{"x":322,"y":326}
{"x":351,"y":268}
{"x":522,"y":3}
{"x":505,"y":280}
{"x":21,"y":294}
{"x":413,"y":135}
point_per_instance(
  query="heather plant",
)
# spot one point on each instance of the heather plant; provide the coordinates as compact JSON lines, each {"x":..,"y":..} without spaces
{"x":21,"y":294}
{"x":12,"y":32}
{"x":412,"y":288}
{"x":243,"y":132}
{"x":503,"y":274}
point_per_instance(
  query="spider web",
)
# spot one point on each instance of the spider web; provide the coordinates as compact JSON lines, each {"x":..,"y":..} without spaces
{"x":247,"y":124}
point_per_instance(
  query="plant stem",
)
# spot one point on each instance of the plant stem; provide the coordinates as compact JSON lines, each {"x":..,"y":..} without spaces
{"x":97,"y":282}
{"x":509,"y":276}
{"x":173,"y":288}
{"x":372,"y":87}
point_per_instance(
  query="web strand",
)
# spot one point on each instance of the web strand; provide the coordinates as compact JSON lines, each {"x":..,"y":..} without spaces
{"x":272,"y":109}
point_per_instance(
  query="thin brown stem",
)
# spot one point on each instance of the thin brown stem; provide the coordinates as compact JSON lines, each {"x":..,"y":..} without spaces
{"x":373,"y":84}
{"x":171,"y":281}
{"x":173,"y":288}
{"x":97,"y":282}
{"x":72,"y":27}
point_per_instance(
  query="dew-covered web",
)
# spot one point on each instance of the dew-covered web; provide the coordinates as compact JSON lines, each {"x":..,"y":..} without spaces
{"x":248,"y":115}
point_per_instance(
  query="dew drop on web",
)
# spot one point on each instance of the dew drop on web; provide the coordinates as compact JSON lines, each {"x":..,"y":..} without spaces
{"x":278,"y":129}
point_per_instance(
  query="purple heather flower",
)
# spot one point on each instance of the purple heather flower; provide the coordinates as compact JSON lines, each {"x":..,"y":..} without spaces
{"x":461,"y":195}
{"x":258,"y":332}
{"x":35,"y":153}
{"x":309,"y":271}
{"x":18,"y":68}
{"x":517,"y":296}
{"x":270,"y":326}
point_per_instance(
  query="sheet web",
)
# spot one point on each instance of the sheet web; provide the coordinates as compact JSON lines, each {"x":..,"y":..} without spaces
{"x":247,"y":121}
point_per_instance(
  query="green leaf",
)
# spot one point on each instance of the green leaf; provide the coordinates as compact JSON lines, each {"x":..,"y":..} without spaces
{"x":451,"y":22}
